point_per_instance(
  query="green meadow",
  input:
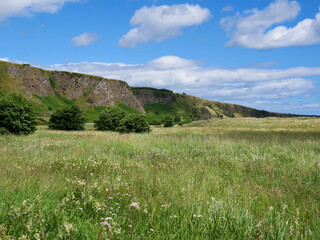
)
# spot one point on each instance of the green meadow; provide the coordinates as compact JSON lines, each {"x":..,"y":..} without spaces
{"x":231,"y":178}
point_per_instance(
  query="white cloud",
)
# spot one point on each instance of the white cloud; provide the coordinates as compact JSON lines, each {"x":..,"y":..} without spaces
{"x":228,"y":8}
{"x":85,"y":39}
{"x":158,"y":23}
{"x":312,"y":105}
{"x":253,"y":29}
{"x":10,"y":8}
{"x":277,"y":89}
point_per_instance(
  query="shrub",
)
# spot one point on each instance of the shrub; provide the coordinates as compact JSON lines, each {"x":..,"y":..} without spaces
{"x":155,"y":122}
{"x":133,"y":124}
{"x":68,"y":118}
{"x":168,"y":123}
{"x":109,"y":119}
{"x":177,"y":119}
{"x":166,"y":119}
{"x":4,"y":131}
{"x":16,"y":115}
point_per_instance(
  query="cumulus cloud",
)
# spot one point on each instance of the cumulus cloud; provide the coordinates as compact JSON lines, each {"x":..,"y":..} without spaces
{"x":258,"y":28}
{"x":158,"y":23}
{"x":10,"y":8}
{"x":85,"y":39}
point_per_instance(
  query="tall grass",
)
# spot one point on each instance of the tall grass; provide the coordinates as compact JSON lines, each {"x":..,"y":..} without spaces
{"x":219,"y":179}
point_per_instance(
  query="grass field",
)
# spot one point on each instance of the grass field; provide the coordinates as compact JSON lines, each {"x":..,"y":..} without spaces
{"x":218,"y":179}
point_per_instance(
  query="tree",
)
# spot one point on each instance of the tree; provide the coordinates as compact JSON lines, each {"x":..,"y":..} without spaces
{"x":16,"y":115}
{"x":133,"y":124}
{"x":109,"y":119}
{"x":68,"y":118}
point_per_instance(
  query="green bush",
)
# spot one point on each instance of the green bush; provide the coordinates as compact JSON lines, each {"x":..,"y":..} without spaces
{"x":133,"y":124}
{"x":166,"y":119}
{"x":4,"y":131}
{"x":177,"y":119}
{"x":16,"y":115}
{"x":168,"y":123}
{"x":68,"y":118}
{"x":155,"y":122}
{"x":109,"y":119}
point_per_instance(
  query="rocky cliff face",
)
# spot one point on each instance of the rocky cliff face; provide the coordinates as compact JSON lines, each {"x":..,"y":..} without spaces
{"x":53,"y":89}
{"x":94,"y":91}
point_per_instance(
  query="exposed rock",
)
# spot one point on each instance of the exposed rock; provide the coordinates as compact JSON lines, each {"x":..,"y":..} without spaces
{"x":32,"y":81}
{"x":151,"y":96}
{"x":96,"y":91}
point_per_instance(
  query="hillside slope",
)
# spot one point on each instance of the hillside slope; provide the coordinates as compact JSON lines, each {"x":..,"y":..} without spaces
{"x":54,"y":89}
{"x":165,"y":102}
{"x":50,"y":90}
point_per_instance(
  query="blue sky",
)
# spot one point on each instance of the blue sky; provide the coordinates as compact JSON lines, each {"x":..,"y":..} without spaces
{"x":261,"y":54}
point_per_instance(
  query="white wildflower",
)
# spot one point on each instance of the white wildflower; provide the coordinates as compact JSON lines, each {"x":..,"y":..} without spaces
{"x":135,"y":205}
{"x":151,"y":230}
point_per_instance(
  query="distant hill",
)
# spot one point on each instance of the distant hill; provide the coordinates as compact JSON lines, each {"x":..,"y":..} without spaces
{"x":50,"y":90}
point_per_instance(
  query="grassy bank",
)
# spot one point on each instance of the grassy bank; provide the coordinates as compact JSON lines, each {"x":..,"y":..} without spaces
{"x":218,"y":179}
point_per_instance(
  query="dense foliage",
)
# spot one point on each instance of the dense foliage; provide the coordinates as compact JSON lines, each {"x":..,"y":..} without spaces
{"x":168,"y":123}
{"x":109,"y":119}
{"x":16,"y":115}
{"x":68,"y":118}
{"x":133,"y":124}
{"x":156,"y":122}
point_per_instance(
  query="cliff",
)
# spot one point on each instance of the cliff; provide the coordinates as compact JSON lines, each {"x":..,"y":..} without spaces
{"x":54,"y":88}
{"x":50,"y":90}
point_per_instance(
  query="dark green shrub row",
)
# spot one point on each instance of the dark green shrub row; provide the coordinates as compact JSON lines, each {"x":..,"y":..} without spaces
{"x":116,"y":120}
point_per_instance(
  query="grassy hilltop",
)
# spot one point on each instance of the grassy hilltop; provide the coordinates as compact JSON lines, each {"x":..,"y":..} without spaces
{"x":213,"y":179}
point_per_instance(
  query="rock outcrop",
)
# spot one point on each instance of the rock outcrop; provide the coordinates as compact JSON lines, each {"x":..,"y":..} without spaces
{"x":94,"y":91}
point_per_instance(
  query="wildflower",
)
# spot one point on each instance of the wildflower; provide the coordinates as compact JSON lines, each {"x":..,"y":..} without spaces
{"x":213,"y":199}
{"x":151,"y":230}
{"x":105,"y":223}
{"x":271,"y":208}
{"x":200,"y":216}
{"x":108,"y":219}
{"x":135,"y":205}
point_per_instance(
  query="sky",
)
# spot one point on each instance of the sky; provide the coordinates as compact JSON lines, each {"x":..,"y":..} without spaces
{"x":260,"y":54}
